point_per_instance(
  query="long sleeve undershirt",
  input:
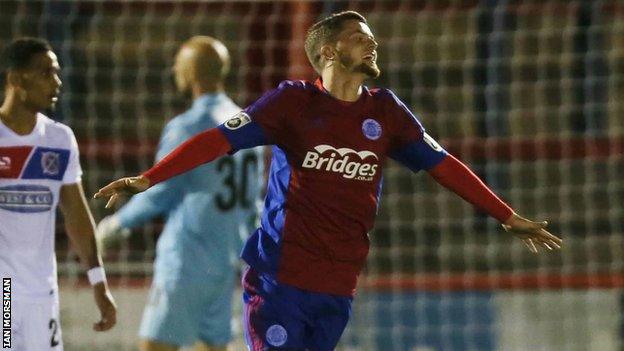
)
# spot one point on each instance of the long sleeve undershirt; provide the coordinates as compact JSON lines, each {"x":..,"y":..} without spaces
{"x":455,"y":176}
{"x":202,"y":148}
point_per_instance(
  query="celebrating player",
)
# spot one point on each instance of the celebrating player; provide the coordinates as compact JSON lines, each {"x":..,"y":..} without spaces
{"x":40,"y":169}
{"x":207,"y":212}
{"x":331,"y":139}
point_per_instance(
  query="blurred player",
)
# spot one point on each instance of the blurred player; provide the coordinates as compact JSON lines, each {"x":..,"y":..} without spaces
{"x":208,"y":211}
{"x":40,"y":169}
{"x":331,"y":140}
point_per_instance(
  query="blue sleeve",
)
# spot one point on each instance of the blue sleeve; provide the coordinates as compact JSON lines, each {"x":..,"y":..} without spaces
{"x":146,"y":206}
{"x":422,"y":154}
{"x":242,"y":132}
{"x":161,"y":198}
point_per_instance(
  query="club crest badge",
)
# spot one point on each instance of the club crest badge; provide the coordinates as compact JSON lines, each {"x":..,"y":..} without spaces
{"x":237,"y":121}
{"x":276,"y":335}
{"x":371,"y":129}
{"x":50,"y":163}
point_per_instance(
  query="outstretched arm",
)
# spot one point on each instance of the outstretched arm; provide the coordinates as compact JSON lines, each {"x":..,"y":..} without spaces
{"x":427,"y":154}
{"x":200,"y":149}
{"x":454,"y":175}
{"x":419,"y":151}
{"x":155,"y":202}
{"x":261,"y":123}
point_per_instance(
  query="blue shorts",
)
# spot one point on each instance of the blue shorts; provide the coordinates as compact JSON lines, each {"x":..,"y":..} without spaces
{"x":282,"y":317}
{"x":181,"y":314}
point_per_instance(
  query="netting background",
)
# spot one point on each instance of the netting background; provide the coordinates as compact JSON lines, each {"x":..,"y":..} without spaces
{"x":528,"y":93}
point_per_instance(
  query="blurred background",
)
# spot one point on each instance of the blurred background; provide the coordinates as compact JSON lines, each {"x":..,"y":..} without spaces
{"x":529,"y":93}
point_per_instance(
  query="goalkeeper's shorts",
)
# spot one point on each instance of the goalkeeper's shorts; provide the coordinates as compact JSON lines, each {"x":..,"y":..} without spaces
{"x":182,"y":314}
{"x":281,"y":316}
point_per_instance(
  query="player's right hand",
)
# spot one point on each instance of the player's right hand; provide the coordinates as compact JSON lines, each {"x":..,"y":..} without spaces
{"x":123,"y":186}
{"x":109,"y":231}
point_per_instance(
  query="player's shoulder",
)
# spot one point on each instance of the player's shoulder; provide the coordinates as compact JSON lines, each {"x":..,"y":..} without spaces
{"x":296,"y":87}
{"x":222,"y":112}
{"x":178,"y":128}
{"x":179,"y":120}
{"x":55,"y":128}
{"x":396,"y":109}
{"x":190,"y":122}
{"x":385,"y":95}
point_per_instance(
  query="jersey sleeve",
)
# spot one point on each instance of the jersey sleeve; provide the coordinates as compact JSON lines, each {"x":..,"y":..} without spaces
{"x":457,"y":177}
{"x":421,"y":154}
{"x":265,"y":121}
{"x":73,"y":174}
{"x":411,"y":145}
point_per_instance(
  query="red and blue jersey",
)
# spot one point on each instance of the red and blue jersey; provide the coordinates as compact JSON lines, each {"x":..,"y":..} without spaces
{"x":325,"y":178}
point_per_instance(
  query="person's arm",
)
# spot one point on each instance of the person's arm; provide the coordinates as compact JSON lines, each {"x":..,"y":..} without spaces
{"x":200,"y":149}
{"x":417,"y":150}
{"x":457,"y":177}
{"x":426,"y":154}
{"x":157,"y":201}
{"x":79,"y":226}
{"x":141,"y":209}
{"x":150,"y":204}
{"x":263,"y":122}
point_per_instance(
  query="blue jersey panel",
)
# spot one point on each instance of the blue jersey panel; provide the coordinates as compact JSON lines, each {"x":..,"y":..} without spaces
{"x":244,"y":136}
{"x":262,"y":249}
{"x":423,"y":154}
{"x":47,"y":163}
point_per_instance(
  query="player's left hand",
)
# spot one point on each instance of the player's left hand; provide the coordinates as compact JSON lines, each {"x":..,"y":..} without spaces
{"x":533,"y":234}
{"x":107,"y":307}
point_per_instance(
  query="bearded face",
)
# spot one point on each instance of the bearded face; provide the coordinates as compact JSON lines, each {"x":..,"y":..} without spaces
{"x":367,"y":66}
{"x":370,"y":69}
{"x":357,"y":50}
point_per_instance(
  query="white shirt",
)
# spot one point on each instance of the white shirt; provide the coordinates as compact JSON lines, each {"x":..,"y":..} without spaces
{"x":33,"y":168}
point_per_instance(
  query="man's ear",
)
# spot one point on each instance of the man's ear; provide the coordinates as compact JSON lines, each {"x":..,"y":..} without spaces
{"x":14,"y":79}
